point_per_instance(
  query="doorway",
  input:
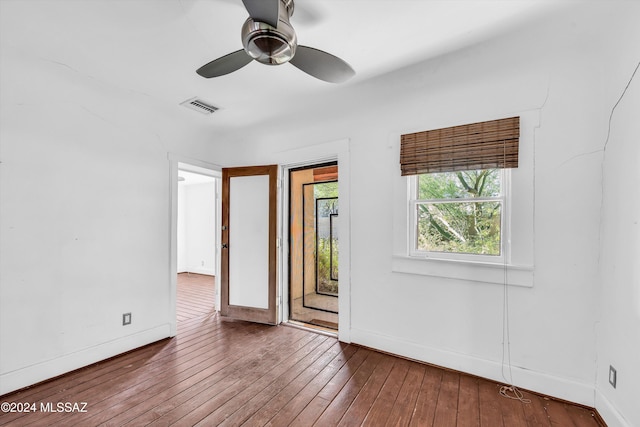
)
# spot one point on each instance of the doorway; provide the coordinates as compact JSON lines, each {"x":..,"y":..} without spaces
{"x":313,"y":245}
{"x":196,"y":243}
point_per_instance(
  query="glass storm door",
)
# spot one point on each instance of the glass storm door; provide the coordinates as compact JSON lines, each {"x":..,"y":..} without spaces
{"x":248,"y":270}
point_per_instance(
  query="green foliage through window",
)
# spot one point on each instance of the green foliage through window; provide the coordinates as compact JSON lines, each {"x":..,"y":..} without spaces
{"x":450,"y":220}
{"x":327,"y":267}
{"x":326,"y":195}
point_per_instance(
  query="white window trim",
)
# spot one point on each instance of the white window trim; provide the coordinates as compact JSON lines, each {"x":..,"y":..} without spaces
{"x":516,"y":265}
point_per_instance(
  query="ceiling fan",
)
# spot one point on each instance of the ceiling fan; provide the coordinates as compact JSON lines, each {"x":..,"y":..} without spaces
{"x":269,"y":38}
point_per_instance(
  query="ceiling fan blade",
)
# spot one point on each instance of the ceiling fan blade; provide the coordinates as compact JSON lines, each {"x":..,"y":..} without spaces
{"x":225,"y":65}
{"x":263,"y":10}
{"x":322,"y":65}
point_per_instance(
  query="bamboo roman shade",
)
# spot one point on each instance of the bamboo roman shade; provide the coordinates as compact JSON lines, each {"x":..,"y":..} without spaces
{"x":484,"y":145}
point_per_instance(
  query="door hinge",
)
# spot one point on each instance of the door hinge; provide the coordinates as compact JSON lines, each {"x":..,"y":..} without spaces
{"x":278,"y":242}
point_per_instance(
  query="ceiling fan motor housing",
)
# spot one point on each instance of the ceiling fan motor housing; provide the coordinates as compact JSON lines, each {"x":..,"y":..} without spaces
{"x":271,"y":45}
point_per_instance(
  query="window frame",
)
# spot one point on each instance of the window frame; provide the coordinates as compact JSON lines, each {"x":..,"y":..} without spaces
{"x":412,"y":229}
{"x":518,"y":269}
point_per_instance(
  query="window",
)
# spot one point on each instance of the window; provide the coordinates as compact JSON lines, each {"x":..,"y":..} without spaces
{"x":458,"y":215}
{"x":457,"y":203}
{"x":480,"y":228}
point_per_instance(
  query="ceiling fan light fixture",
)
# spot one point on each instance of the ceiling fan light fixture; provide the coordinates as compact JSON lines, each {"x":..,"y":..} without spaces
{"x":267,"y":44}
{"x":270,"y":49}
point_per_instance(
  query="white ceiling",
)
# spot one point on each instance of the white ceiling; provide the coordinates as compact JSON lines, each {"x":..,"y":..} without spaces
{"x":149,"y":50}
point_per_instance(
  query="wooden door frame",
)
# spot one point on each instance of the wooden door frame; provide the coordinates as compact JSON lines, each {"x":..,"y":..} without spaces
{"x":270,"y":314}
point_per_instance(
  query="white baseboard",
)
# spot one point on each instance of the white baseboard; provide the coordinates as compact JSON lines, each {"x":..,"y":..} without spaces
{"x":539,"y":382}
{"x":608,"y":412}
{"x":200,"y":270}
{"x":24,"y":377}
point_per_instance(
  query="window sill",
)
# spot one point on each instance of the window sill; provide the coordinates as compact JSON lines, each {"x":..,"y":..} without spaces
{"x":516,"y":275}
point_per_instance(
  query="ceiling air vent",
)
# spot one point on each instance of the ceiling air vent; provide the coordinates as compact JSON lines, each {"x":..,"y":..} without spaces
{"x":198,"y":104}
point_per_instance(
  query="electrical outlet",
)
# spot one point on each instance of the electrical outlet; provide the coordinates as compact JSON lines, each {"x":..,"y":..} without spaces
{"x":613,"y":376}
{"x":126,"y":319}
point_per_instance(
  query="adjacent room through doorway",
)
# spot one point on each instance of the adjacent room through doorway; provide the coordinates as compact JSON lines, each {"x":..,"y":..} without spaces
{"x":196,"y":240}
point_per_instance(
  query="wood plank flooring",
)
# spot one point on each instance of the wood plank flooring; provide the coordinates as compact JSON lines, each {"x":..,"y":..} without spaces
{"x":229,"y":373}
{"x":195,"y":296}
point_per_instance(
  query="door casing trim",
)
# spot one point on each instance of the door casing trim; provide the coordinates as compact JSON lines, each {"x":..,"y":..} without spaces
{"x":308,"y":156}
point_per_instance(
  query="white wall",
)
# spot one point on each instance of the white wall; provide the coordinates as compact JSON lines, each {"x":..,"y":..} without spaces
{"x":84,"y":217}
{"x":618,"y":330}
{"x":559,"y":69}
{"x":196,"y":228}
{"x":81,"y":244}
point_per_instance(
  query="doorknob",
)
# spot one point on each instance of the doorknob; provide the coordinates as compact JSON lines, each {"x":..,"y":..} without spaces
{"x":225,"y":246}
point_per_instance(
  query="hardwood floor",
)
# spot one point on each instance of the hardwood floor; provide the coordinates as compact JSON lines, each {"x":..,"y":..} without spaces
{"x":195,"y":295}
{"x":232,"y":373}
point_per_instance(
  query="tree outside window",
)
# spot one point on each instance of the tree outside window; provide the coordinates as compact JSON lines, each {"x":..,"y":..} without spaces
{"x":459,"y":212}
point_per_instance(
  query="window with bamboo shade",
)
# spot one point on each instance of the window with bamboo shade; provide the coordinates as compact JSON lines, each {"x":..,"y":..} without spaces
{"x":468,"y":194}
{"x":457,"y":201}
